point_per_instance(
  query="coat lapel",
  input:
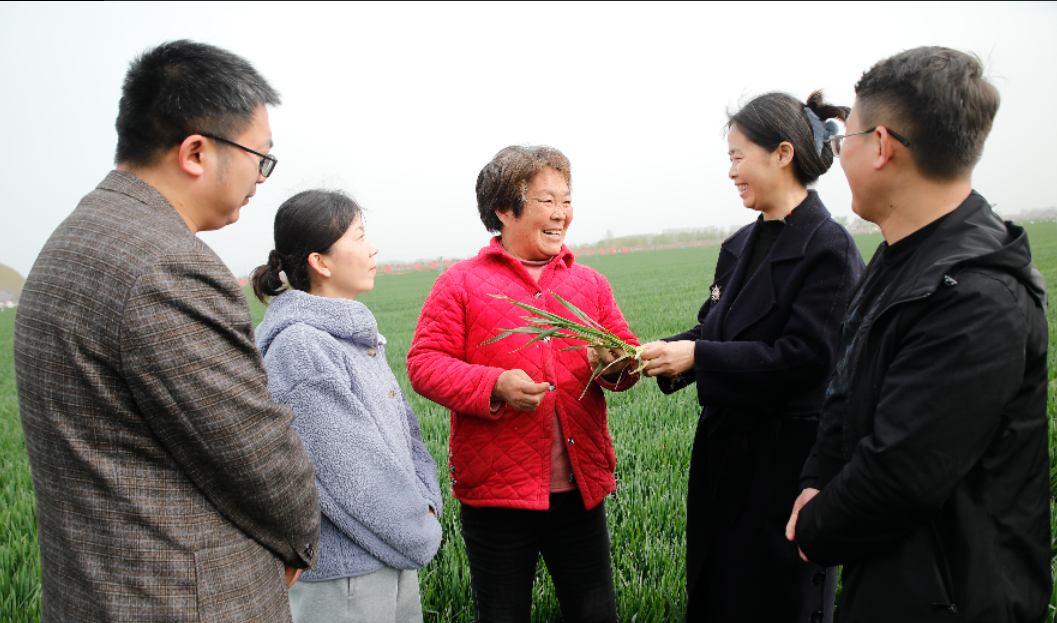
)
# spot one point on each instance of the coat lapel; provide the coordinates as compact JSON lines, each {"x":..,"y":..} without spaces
{"x":729,"y":270}
{"x":760,"y":293}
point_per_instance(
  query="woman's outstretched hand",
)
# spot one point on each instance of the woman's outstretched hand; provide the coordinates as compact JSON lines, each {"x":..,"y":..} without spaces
{"x":668,"y":358}
{"x":517,"y":389}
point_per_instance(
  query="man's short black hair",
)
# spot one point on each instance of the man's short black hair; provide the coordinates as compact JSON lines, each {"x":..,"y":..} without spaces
{"x":181,"y":88}
{"x":939,"y":99}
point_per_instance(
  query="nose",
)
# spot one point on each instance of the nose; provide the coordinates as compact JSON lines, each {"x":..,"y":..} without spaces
{"x":733,"y":172}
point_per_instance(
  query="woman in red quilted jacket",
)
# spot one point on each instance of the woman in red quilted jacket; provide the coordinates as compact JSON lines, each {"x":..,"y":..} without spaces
{"x":529,"y":459}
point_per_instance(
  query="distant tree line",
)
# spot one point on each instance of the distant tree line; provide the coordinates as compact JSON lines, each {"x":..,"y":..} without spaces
{"x":694,"y":235}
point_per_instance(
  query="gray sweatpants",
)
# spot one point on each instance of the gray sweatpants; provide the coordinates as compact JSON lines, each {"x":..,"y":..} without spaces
{"x":385,"y":596}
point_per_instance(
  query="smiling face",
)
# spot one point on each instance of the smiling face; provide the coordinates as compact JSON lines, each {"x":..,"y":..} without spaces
{"x":347,"y":269}
{"x":540,"y":231}
{"x":755,"y":171}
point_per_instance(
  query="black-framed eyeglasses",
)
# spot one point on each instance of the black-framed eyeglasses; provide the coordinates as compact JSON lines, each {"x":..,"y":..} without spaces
{"x":267,"y":164}
{"x":836,"y":140}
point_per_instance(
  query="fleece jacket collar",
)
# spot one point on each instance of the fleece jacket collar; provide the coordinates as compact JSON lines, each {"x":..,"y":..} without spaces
{"x":343,"y":318}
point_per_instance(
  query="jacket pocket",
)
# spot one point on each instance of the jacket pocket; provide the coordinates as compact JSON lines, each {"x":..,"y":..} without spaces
{"x":906,"y":581}
{"x":240,"y":580}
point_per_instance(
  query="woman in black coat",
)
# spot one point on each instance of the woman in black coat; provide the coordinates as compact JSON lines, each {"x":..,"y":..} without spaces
{"x":760,"y":355}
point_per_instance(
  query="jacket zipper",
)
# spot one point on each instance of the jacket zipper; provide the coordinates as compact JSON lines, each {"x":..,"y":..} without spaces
{"x":943,"y":570}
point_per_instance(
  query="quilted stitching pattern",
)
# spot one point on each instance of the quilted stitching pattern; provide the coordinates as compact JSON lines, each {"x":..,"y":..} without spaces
{"x":504,"y":459}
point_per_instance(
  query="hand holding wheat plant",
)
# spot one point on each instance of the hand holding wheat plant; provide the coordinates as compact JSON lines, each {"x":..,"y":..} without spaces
{"x":545,"y":324}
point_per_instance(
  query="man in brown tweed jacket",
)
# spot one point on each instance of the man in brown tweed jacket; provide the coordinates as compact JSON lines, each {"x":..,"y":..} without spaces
{"x":169,"y":487}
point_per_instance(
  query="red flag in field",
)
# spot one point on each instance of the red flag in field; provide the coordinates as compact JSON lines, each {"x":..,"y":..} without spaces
{"x":601,"y":251}
{"x":433,"y":265}
{"x":623,"y":249}
{"x":447,"y":263}
{"x":589,"y":252}
{"x":612,"y":250}
{"x":388,"y":269}
{"x":242,"y":282}
{"x":418,"y":266}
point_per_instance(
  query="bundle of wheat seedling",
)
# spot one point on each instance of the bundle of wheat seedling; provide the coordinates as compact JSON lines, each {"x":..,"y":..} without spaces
{"x":546,"y":324}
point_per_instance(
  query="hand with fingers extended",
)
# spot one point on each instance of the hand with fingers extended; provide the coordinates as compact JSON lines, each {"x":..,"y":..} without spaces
{"x":668,"y":358}
{"x":517,"y":389}
{"x":614,"y":369}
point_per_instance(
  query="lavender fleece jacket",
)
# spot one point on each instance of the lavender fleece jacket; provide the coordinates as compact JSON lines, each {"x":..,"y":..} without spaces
{"x":376,"y":480}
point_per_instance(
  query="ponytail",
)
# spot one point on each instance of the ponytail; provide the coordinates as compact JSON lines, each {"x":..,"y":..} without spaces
{"x":309,"y":222}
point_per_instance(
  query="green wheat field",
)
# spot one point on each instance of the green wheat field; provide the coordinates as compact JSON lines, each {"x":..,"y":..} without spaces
{"x":659,"y":293}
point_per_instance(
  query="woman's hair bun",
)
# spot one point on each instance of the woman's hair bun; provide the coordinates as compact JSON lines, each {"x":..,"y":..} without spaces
{"x":818,"y":105}
{"x":275,"y":262}
{"x":266,"y":280}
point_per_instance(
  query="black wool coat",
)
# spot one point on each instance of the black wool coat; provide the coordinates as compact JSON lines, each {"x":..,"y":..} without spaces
{"x":764,"y":349}
{"x":933,"y":464}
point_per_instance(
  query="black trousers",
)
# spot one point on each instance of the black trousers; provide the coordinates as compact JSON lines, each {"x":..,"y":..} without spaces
{"x":504,"y":544}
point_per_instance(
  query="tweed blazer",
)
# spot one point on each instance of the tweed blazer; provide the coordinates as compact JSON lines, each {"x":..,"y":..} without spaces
{"x":168,"y":484}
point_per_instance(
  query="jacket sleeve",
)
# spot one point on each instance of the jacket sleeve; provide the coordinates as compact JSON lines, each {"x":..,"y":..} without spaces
{"x":365,"y":490}
{"x":436,"y":362}
{"x":940,"y":403}
{"x":672,"y":384}
{"x":190,"y":361}
{"x":734,"y":372}
{"x":611,"y":318}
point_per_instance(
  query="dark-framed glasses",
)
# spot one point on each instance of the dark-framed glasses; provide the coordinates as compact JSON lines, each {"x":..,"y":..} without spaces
{"x":836,"y":140}
{"x":267,"y":164}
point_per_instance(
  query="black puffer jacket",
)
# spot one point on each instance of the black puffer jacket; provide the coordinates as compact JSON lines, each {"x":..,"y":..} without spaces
{"x":933,"y":467}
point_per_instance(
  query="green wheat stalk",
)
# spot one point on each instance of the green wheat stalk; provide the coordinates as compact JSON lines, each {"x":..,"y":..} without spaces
{"x":546,"y":324}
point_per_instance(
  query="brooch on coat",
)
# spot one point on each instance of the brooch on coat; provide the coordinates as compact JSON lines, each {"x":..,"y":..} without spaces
{"x":715,"y":293}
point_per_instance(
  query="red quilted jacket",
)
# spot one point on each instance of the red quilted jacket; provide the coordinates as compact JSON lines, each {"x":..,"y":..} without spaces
{"x":504,"y":458}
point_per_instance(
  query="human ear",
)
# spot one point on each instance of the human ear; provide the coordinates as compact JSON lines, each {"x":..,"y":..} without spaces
{"x":190,"y":155}
{"x":884,"y":148}
{"x":785,"y":153}
{"x":506,"y":217}
{"x":319,"y":264}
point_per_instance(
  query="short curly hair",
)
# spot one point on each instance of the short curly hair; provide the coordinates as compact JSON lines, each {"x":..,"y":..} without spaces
{"x":502,"y":182}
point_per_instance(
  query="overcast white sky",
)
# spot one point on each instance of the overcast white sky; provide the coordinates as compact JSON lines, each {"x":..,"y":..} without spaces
{"x":401,"y":105}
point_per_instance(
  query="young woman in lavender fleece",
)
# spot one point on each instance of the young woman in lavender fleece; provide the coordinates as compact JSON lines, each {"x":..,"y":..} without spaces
{"x":377,"y":483}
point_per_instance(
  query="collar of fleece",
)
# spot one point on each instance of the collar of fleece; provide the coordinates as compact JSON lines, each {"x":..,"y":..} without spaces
{"x":342,"y":318}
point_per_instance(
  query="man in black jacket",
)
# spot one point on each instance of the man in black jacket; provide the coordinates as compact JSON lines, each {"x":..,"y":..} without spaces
{"x":928,"y":481}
